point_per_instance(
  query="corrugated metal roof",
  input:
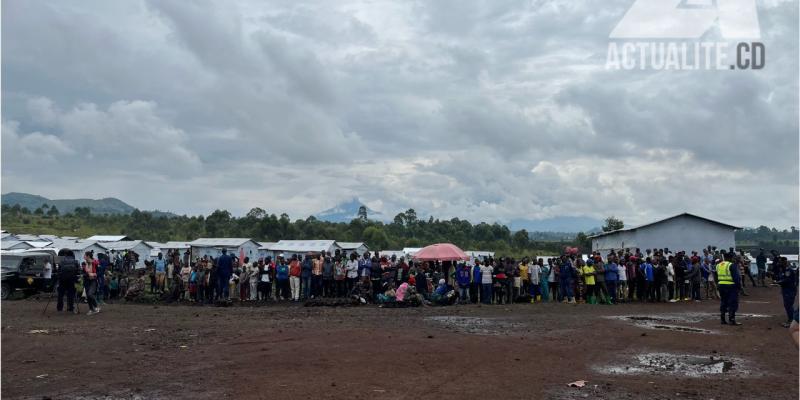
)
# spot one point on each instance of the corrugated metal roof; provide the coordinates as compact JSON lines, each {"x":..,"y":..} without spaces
{"x":304,"y":245}
{"x":176,"y":245}
{"x":664,"y":220}
{"x":11,"y":244}
{"x":75,"y":244}
{"x":266,"y":245}
{"x":351,"y":245}
{"x":125,"y":244}
{"x":219,"y":242}
{"x":108,"y":238}
{"x":25,"y":237}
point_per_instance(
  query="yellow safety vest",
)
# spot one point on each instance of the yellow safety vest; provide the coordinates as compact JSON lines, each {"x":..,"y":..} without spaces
{"x":724,"y":276}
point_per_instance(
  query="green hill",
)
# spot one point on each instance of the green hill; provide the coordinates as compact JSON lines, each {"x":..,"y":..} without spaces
{"x":107,"y":205}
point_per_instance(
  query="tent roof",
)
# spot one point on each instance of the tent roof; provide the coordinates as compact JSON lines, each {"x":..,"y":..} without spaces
{"x":108,"y":238}
{"x":351,"y":245}
{"x":304,"y":245}
{"x":125,"y":244}
{"x":219,"y":242}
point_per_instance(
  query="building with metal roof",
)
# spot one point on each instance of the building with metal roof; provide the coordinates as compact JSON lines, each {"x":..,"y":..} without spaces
{"x":358,"y":247}
{"x":140,"y":247}
{"x":108,"y":238}
{"x":301,"y":247}
{"x":682,"y":232}
{"x":212,"y":247}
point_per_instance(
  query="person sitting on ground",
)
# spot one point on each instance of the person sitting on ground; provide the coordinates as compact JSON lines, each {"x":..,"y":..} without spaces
{"x":389,"y":295}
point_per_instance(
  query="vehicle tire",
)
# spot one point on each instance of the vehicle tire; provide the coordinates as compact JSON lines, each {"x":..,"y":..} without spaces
{"x":5,"y":291}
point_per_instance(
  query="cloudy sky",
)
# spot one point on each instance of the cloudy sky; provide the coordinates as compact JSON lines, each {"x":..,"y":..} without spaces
{"x":486,"y":110}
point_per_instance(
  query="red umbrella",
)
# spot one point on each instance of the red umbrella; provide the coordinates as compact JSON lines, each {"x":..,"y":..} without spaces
{"x":441,"y":252}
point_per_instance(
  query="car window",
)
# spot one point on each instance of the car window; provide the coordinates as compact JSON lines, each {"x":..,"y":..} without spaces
{"x":9,"y":262}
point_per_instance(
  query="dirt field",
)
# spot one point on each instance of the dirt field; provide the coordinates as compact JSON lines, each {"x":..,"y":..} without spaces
{"x":463,"y":352}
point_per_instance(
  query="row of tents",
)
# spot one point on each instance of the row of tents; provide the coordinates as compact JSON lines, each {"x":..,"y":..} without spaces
{"x":212,"y":247}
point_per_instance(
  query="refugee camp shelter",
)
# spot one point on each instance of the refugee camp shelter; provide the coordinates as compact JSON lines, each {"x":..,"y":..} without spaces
{"x":349,"y":247}
{"x":389,"y":253}
{"x":14,"y":245}
{"x":479,"y":255}
{"x":682,"y":232}
{"x":410,"y":251}
{"x":301,"y":247}
{"x":109,"y":238}
{"x":212,"y":247}
{"x":79,"y":247}
{"x":140,"y":247}
{"x":265,"y":250}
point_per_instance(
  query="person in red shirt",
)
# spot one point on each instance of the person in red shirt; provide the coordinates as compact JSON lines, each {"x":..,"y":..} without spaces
{"x":294,"y":277}
{"x":90,"y":282}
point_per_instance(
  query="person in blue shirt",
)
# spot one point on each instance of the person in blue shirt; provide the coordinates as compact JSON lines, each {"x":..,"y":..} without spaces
{"x":475,"y":286}
{"x":544,"y":281}
{"x":788,"y":282}
{"x":282,"y":279}
{"x":566,"y":277}
{"x":160,"y":271}
{"x":224,"y":271}
{"x":463,"y":278}
{"x":612,"y":276}
{"x":650,"y":287}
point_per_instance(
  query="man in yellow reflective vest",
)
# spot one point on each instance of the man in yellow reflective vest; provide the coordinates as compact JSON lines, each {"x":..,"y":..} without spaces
{"x":728,"y":281}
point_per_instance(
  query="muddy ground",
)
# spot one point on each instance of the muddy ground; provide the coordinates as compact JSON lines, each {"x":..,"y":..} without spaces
{"x":520,"y":351}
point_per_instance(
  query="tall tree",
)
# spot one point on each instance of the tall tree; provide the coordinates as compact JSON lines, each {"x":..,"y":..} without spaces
{"x":362,"y":213}
{"x":613,"y":224}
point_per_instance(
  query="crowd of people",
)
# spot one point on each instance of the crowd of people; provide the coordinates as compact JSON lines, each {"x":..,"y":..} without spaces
{"x":625,"y":275}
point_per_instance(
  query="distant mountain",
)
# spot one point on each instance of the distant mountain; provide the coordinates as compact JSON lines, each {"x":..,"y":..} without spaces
{"x":557,"y":224}
{"x":108,"y":205}
{"x":346,"y":212}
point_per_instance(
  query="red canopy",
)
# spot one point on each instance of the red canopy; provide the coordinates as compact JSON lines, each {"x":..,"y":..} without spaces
{"x":441,"y":252}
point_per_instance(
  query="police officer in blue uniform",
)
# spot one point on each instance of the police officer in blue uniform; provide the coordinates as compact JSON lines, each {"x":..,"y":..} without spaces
{"x":729,"y":280}
{"x":788,"y":282}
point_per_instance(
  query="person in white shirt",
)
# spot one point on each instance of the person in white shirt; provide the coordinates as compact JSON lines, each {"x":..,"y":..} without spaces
{"x":352,"y":272}
{"x":671,"y":282}
{"x":486,"y":284}
{"x":622,"y":284}
{"x":534,"y":270}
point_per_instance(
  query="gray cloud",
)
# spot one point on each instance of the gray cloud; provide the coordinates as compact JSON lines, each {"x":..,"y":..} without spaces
{"x":485,"y":110}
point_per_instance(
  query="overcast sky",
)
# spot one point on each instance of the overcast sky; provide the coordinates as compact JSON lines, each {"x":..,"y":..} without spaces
{"x":486,"y":110}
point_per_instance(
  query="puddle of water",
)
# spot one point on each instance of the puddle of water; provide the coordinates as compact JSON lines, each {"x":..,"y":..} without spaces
{"x":693,"y":366}
{"x":475,"y":325}
{"x":666,"y":322}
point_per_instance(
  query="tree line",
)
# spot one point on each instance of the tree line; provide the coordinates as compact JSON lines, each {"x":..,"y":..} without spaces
{"x":405,"y":229}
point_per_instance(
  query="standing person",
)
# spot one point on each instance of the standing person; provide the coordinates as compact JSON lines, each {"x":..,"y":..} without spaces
{"x":160,"y":265}
{"x":671,"y":279}
{"x":761,"y":264}
{"x":376,"y":274}
{"x":102,"y":289}
{"x":339,"y":276}
{"x":186,"y":274}
{"x":525,"y":277}
{"x":601,"y":290}
{"x":317,"y":264}
{"x":255,"y":279}
{"x":534,"y":277}
{"x":352,"y":272}
{"x":650,"y":278}
{"x":306,"y":266}
{"x":224,"y":272}
{"x":622,"y":282}
{"x":728,"y":280}
{"x":327,"y":277}
{"x":611,"y":272}
{"x":486,"y":283}
{"x":475,"y":283}
{"x":169,"y":274}
{"x":553,"y":280}
{"x":295,"y":272}
{"x":282,"y":277}
{"x":695,"y":277}
{"x":567,"y":277}
{"x":463,"y":278}
{"x":545,"y":280}
{"x":68,"y":273}
{"x":588,"y":273}
{"x":788,"y":284}
{"x":90,"y":286}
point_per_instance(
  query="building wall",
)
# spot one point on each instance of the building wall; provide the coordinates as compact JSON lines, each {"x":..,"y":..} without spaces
{"x":685,"y":234}
{"x":679,"y":234}
{"x":620,"y":240}
{"x":250,"y":250}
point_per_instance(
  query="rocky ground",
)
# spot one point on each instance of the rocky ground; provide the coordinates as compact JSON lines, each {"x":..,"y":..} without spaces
{"x":521,"y":351}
